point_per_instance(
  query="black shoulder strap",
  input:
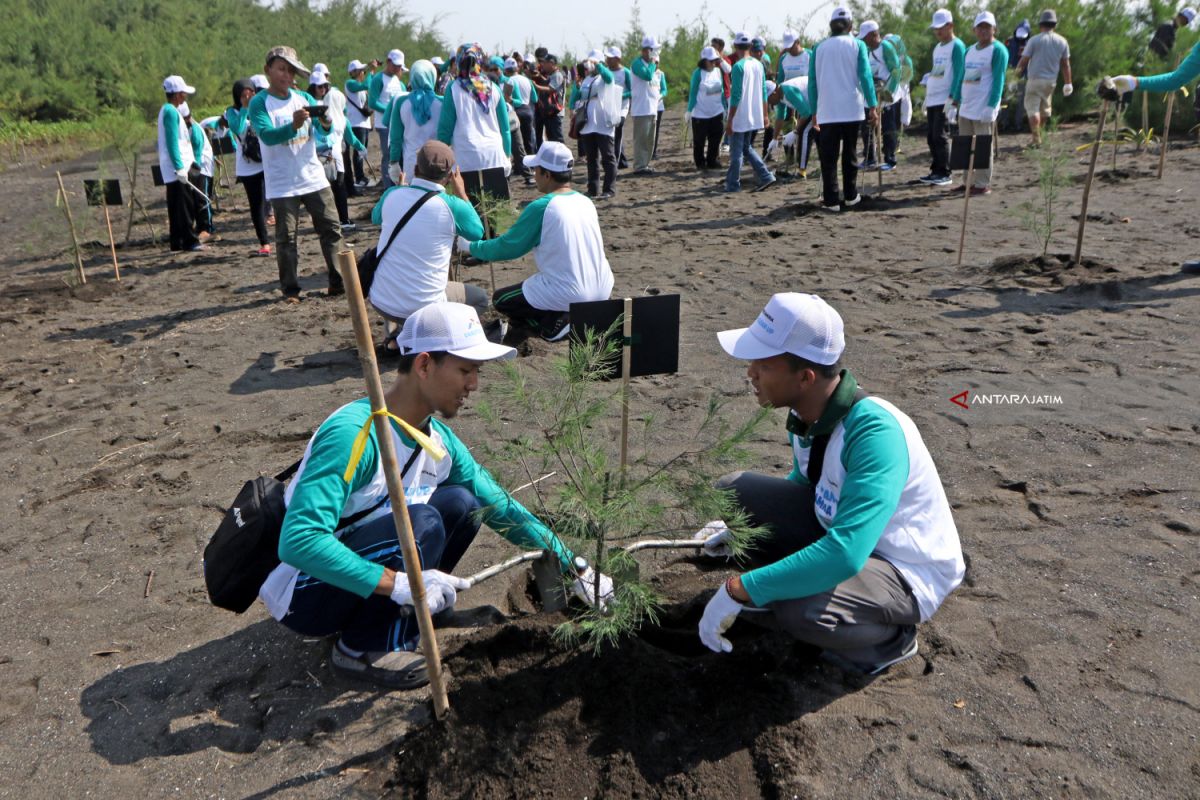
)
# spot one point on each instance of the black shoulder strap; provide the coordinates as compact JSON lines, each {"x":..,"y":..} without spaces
{"x":346,"y":522}
{"x":288,"y":472}
{"x":816,"y":453}
{"x":404,"y":221}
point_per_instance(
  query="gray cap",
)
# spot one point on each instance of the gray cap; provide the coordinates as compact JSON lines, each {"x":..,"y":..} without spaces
{"x":288,"y":54}
{"x":1048,"y":17}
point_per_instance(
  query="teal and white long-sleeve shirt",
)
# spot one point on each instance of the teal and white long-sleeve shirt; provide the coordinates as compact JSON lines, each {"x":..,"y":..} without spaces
{"x":1184,"y":75}
{"x":599,"y":100}
{"x":879,"y":493}
{"x":380,"y":91}
{"x":662,"y":91}
{"x":946,"y":71}
{"x":840,"y":85}
{"x":318,"y":497}
{"x":706,"y":95}
{"x":795,"y":96}
{"x":289,"y":156}
{"x":563,"y":231}
{"x":202,"y":150}
{"x":793,"y":65}
{"x":238,"y":120}
{"x":885,"y":65}
{"x":481,"y":138}
{"x":644,"y":89}
{"x":979,"y":92}
{"x":747,"y":95}
{"x":174,"y":143}
{"x":406,"y":136}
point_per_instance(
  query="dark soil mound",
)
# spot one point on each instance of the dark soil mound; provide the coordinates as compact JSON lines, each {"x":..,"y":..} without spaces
{"x":659,"y":716}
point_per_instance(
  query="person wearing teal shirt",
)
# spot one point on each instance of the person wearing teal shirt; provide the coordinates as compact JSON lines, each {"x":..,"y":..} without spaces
{"x":860,"y":544}
{"x":342,"y":571}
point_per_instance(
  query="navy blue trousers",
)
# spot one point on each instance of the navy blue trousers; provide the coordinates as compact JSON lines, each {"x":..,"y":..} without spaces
{"x":443,"y":529}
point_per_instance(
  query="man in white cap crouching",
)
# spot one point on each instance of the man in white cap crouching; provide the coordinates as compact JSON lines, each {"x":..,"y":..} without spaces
{"x":862,"y":545}
{"x":563,"y":231}
{"x":342,"y":569}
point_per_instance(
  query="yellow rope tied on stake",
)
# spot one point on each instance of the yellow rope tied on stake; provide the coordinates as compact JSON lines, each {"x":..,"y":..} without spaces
{"x":364,"y":433}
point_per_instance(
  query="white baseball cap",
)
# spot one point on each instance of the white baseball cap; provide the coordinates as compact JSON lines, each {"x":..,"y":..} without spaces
{"x":320,"y":67}
{"x":741,"y":37}
{"x":259,"y":82}
{"x":801,"y":324}
{"x":789,"y":38}
{"x":530,"y":58}
{"x":612,"y":52}
{"x":1187,"y":13}
{"x":941,"y":18}
{"x":396,"y":57}
{"x":985,"y":18}
{"x":552,"y":157}
{"x":510,"y":63}
{"x":355,"y":66}
{"x":771,"y":87}
{"x":841,"y":12}
{"x":174,"y":83}
{"x":710,"y":54}
{"x":452,"y":328}
{"x":595,"y":55}
{"x":316,"y":78}
{"x":437,"y":61}
{"x":650,"y":42}
{"x":867,"y":28}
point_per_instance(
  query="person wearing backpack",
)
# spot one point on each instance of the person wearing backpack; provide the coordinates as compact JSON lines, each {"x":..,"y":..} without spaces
{"x":248,"y":167}
{"x":861,"y":545}
{"x":597,"y":103}
{"x":350,"y":581}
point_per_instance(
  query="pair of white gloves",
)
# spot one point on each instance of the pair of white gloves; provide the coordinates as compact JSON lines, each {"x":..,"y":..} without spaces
{"x":395,"y":173}
{"x":441,"y":589}
{"x":722,"y":609}
{"x":1122,"y":83}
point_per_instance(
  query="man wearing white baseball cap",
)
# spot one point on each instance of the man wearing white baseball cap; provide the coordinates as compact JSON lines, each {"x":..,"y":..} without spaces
{"x":341,"y":570}
{"x":946,"y":71}
{"x":747,"y":115}
{"x":382,"y":89}
{"x":358,"y":114}
{"x":861,"y":545}
{"x":1043,"y":57}
{"x":979,"y":93}
{"x":563,"y":231}
{"x":643,"y":105}
{"x":175,"y":158}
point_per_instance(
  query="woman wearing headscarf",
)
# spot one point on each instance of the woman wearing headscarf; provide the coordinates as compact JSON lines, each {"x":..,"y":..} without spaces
{"x":413,"y":120}
{"x":706,"y":108}
{"x":474,"y":121}
{"x":248,"y":159}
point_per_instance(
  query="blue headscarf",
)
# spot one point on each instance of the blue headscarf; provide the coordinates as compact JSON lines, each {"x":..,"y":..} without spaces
{"x":422,"y":78}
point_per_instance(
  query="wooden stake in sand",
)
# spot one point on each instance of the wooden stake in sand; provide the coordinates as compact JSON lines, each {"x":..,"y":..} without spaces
{"x":62,"y":192}
{"x":1162,"y":153}
{"x":626,"y":366}
{"x":1087,"y":185}
{"x":962,"y":236}
{"x":112,"y":245}
{"x":391,"y":469}
{"x":879,"y":149}
{"x":487,"y":225}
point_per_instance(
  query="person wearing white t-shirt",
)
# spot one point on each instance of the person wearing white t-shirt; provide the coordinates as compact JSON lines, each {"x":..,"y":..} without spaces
{"x":946,"y":71}
{"x":175,"y":159}
{"x":706,"y":108}
{"x":292,"y":173}
{"x":623,"y":77}
{"x":384,"y":87}
{"x":563,"y":231}
{"x":841,"y":92}
{"x":860,"y":544}
{"x":645,"y":92}
{"x":747,"y":115}
{"x":979,"y":92}
{"x":598,"y":100}
{"x":358,"y":112}
{"x":331,"y":144}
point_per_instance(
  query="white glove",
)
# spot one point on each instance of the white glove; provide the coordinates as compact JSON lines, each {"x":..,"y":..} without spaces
{"x":1068,"y":89}
{"x":464,"y":246}
{"x":585,"y":588}
{"x":716,"y":538}
{"x":687,"y":118}
{"x":791,"y":139}
{"x":773,"y":146}
{"x":1124,"y":83}
{"x":719,"y":614}
{"x":395,"y":173}
{"x":725,"y":67}
{"x":440,"y":590}
{"x":181,"y":174}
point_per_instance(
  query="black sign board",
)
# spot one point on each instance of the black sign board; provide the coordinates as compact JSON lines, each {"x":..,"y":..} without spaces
{"x":103,"y":192}
{"x":654,"y":343}
{"x":960,"y":152}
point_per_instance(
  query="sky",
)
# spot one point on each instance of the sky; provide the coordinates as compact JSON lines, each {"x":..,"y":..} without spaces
{"x":578,"y":26}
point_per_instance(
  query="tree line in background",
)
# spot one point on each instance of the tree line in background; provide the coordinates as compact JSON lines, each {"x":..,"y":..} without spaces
{"x":54,"y":68}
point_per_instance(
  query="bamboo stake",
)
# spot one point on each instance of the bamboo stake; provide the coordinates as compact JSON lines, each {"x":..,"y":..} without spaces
{"x":132,"y":194}
{"x":1116,"y":130}
{"x":1162,"y":154}
{"x":391,"y":469}
{"x":111,"y":244}
{"x":1145,"y":114}
{"x":962,"y":236}
{"x":71,"y":224}
{"x":487,"y":226}
{"x":626,"y":364}
{"x":1087,"y":186}
{"x":879,"y":149}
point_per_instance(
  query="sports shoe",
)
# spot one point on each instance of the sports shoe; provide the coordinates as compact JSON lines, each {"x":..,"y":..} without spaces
{"x":1190,"y":267}
{"x":908,"y":653}
{"x":762,"y":186}
{"x":886,"y":167}
{"x":557,"y":330}
{"x":851,"y":203}
{"x":840,"y":661}
{"x":198,"y":247}
{"x":867,"y":165}
{"x":607,"y":195}
{"x":400,"y":669}
{"x":265,"y":250}
{"x":958,"y":189}
{"x":832,"y":209}
{"x":349,"y":227}
{"x":976,"y":191}
{"x":940,"y":180}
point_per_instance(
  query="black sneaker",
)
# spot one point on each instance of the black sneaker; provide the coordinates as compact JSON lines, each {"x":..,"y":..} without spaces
{"x":558,"y":329}
{"x":399,"y":669}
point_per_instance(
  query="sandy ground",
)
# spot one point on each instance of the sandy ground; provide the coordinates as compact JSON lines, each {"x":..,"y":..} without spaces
{"x":1065,"y":666}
